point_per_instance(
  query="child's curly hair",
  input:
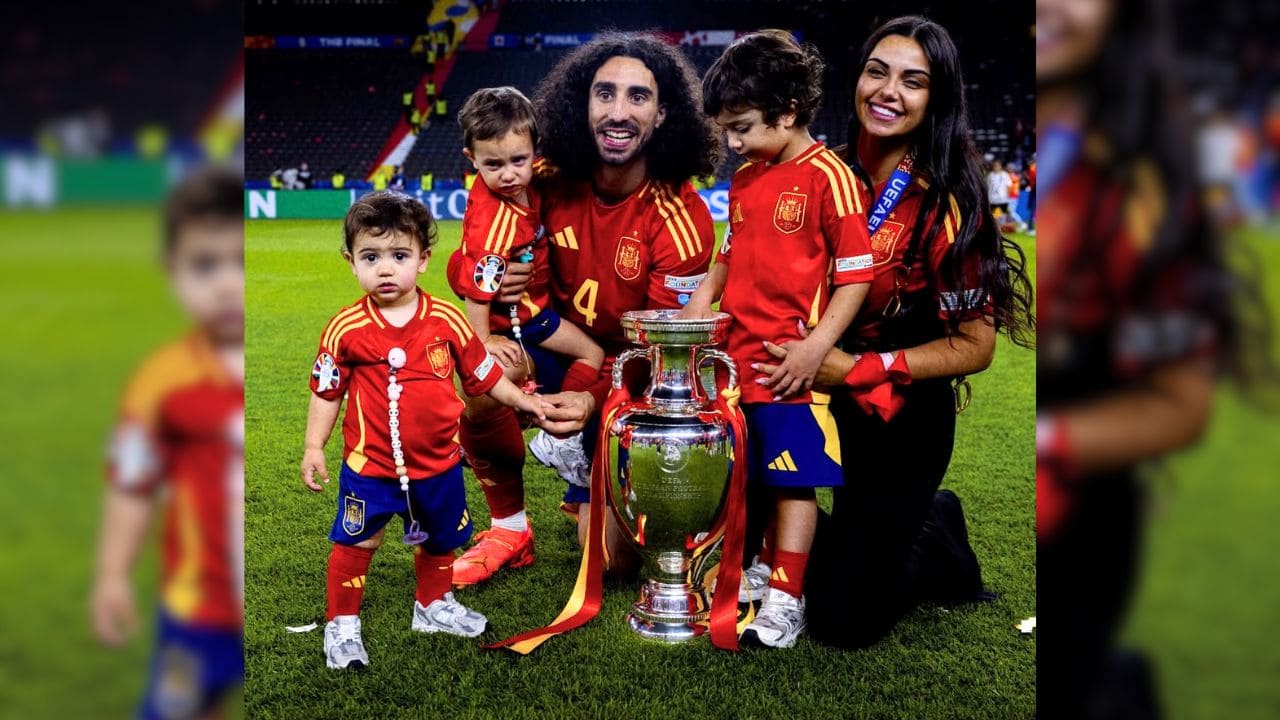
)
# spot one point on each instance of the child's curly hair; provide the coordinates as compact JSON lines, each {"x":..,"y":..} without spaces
{"x":385,"y":211}
{"x":767,"y":71}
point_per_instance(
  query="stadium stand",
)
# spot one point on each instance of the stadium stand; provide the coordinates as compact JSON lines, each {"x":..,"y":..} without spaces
{"x":332,"y":109}
{"x":53,"y":68}
{"x":316,"y":105}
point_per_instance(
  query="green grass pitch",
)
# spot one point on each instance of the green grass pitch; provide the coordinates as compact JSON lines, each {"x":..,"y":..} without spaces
{"x":968,"y":662}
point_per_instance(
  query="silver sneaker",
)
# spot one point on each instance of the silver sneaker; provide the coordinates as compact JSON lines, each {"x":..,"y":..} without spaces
{"x":779,"y":623}
{"x":448,"y":616}
{"x":343,"y":644}
{"x":566,"y":456}
{"x":755,"y":581}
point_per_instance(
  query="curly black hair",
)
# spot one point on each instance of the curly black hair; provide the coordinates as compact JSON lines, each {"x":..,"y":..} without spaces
{"x":686,"y":145}
{"x":386,"y":211}
{"x":766,"y":71}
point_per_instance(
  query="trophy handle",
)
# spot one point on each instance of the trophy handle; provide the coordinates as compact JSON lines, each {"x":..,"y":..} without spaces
{"x":705,"y":354}
{"x":623,"y":358}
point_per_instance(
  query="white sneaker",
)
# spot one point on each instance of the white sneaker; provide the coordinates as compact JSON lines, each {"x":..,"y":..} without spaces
{"x":343,"y":644}
{"x":567,"y":456}
{"x":755,"y":581}
{"x":779,"y":623}
{"x":448,"y":616}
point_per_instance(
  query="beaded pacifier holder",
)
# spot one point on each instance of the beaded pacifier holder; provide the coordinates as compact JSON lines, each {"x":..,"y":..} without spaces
{"x":530,"y":385}
{"x":396,"y":359}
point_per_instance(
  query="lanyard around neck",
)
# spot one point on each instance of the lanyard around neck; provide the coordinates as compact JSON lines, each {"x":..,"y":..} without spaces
{"x":898,"y":183}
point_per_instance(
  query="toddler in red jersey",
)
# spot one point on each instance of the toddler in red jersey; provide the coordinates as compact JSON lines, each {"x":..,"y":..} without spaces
{"x":796,"y":256}
{"x":502,"y":223}
{"x":393,"y":354}
{"x":179,"y":448}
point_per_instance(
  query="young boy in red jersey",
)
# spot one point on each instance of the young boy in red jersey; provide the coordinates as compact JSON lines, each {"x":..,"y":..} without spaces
{"x":502,"y":223}
{"x":796,"y":255}
{"x":393,"y":354}
{"x":180,"y":445}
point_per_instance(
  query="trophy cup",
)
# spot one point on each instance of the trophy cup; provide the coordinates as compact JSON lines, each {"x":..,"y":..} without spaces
{"x":672,"y":450}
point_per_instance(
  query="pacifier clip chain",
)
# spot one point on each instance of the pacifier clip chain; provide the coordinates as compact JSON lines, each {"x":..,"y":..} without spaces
{"x":396,"y":359}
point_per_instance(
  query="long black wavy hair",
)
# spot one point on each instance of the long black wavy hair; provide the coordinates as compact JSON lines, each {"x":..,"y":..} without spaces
{"x":686,"y":145}
{"x":1136,"y":103}
{"x":945,"y":155}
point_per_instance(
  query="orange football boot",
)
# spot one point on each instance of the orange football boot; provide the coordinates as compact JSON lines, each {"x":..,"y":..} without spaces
{"x":495,"y":549}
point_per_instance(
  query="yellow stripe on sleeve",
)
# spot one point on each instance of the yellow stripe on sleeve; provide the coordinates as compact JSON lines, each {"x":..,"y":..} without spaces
{"x":842,"y":208}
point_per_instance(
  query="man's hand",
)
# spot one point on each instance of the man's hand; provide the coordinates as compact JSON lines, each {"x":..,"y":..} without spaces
{"x":514,"y":282}
{"x":568,"y":413}
{"x":313,"y":465}
{"x":115,"y":619}
{"x":507,"y":351}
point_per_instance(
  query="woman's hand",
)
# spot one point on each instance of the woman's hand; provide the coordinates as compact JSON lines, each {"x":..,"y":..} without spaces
{"x":831,"y":368}
{"x":797,"y":370}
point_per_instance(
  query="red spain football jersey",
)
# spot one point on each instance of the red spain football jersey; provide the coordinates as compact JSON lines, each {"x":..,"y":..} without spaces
{"x":888,"y":253}
{"x":1097,"y":288}
{"x":494,"y":228}
{"x":352,"y":360}
{"x":797,"y":230}
{"x":643,"y":252}
{"x":182,"y":427}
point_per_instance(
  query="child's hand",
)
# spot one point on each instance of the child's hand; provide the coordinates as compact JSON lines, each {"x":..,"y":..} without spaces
{"x":115,"y":618}
{"x":534,"y":405}
{"x":507,"y":351}
{"x":694,"y":312}
{"x":312,"y":465}
{"x":796,"y":372}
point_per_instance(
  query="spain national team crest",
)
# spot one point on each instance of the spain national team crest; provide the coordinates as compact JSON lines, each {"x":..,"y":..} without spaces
{"x":884,"y":241}
{"x":788,"y":215}
{"x":352,"y":515}
{"x":627,"y":261}
{"x":177,"y":691}
{"x":438,"y":356}
{"x":325,"y":372}
{"x":488,"y":273}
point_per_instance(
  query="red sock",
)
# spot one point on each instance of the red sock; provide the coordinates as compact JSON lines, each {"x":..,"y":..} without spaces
{"x":766,"y":547}
{"x":580,"y":377}
{"x":494,"y":446}
{"x":434,"y":573}
{"x":348,"y":567}
{"x":788,"y":571}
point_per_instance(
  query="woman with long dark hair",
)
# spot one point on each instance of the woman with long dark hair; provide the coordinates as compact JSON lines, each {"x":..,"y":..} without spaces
{"x":1139,"y":312}
{"x":945,"y":284}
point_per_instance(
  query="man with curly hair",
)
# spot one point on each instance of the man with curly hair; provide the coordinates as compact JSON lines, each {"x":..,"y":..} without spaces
{"x":622,"y":134}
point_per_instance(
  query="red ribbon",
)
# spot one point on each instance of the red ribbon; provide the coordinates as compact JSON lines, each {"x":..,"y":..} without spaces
{"x":874,"y":386}
{"x":724,"y":603}
{"x":584,"y":603}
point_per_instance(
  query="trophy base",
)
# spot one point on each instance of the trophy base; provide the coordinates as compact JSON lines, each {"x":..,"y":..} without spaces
{"x":670,"y":612}
{"x":666,"y":632}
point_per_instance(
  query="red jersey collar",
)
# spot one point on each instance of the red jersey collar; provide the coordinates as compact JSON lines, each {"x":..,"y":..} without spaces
{"x":375,"y":313}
